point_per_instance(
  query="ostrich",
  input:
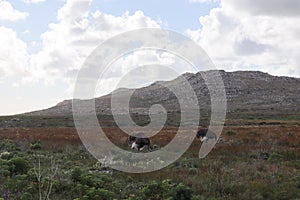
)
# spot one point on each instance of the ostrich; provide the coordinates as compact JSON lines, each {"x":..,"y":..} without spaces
{"x":206,"y":134}
{"x":139,"y":142}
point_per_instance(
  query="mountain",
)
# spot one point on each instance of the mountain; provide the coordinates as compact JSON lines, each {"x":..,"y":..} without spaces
{"x":248,"y":92}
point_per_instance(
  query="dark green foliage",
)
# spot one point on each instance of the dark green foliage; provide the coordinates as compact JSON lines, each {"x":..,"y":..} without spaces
{"x":222,"y":175}
{"x":6,"y":155}
{"x":167,"y":190}
{"x":231,"y":133}
{"x":182,"y":192}
{"x":153,"y":191}
{"x":18,"y":165}
{"x":26,"y":196}
{"x":36,"y":145}
{"x":7,"y":145}
{"x":105,"y":194}
{"x":4,"y":168}
{"x":76,"y":174}
{"x":275,"y":157}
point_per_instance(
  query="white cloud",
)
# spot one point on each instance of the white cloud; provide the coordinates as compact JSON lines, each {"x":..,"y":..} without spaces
{"x":236,"y":38}
{"x":33,"y":1}
{"x":9,"y":13}
{"x":68,"y":43}
{"x":14,"y":58}
{"x":204,"y":1}
{"x":26,"y":31}
{"x":266,"y":7}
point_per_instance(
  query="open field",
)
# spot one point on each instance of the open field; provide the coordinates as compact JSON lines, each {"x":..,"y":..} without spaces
{"x":251,"y":162}
{"x":281,"y":136}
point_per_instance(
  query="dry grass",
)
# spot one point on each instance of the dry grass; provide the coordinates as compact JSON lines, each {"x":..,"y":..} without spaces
{"x":246,"y":138}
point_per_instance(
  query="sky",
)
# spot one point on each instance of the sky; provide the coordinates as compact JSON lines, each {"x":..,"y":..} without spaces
{"x":43,"y":43}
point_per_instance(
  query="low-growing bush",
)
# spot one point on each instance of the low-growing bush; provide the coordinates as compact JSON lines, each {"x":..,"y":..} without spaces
{"x":275,"y":157}
{"x":36,"y":146}
{"x":253,"y":133}
{"x":182,"y":192}
{"x":231,"y":132}
{"x":6,"y":155}
{"x":18,"y":165}
{"x":76,"y":174}
{"x":7,"y":145}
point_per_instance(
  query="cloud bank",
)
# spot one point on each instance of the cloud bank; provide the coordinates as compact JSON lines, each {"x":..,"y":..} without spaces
{"x":33,"y":1}
{"x":67,"y":43}
{"x":8,"y":13}
{"x":252,"y":34}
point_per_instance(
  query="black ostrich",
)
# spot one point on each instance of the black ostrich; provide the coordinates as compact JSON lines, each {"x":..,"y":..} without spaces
{"x":206,"y":134}
{"x":139,"y":142}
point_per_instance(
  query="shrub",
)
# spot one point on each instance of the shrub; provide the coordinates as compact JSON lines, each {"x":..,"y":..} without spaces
{"x":76,"y":174}
{"x":7,"y":145}
{"x":18,"y":165}
{"x":275,"y":157}
{"x":231,"y":133}
{"x":198,"y":197}
{"x":88,"y":179}
{"x":253,"y":133}
{"x":290,"y":134}
{"x":284,"y":142}
{"x":26,"y":196}
{"x":6,"y":155}
{"x":182,"y":192}
{"x":105,"y":194}
{"x":153,"y":191}
{"x":36,"y":146}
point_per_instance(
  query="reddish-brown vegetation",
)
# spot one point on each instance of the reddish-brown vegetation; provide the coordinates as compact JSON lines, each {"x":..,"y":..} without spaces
{"x":235,"y":137}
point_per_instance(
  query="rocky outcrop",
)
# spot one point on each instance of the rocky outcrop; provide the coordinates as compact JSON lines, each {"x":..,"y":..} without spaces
{"x":247,"y":92}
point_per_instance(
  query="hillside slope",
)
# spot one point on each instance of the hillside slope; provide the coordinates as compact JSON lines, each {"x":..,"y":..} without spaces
{"x":248,"y":92}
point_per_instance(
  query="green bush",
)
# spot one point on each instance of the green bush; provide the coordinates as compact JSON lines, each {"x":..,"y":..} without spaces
{"x":167,"y":190}
{"x":253,"y":133}
{"x":275,"y":157}
{"x":7,"y":145}
{"x":88,"y":179}
{"x":105,"y":194}
{"x":4,"y":168}
{"x":182,"y":192}
{"x":199,"y":197}
{"x":18,"y":165}
{"x":26,"y":196}
{"x":36,"y":146}
{"x":76,"y":174}
{"x":153,"y":191}
{"x":231,"y":133}
{"x":6,"y":155}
